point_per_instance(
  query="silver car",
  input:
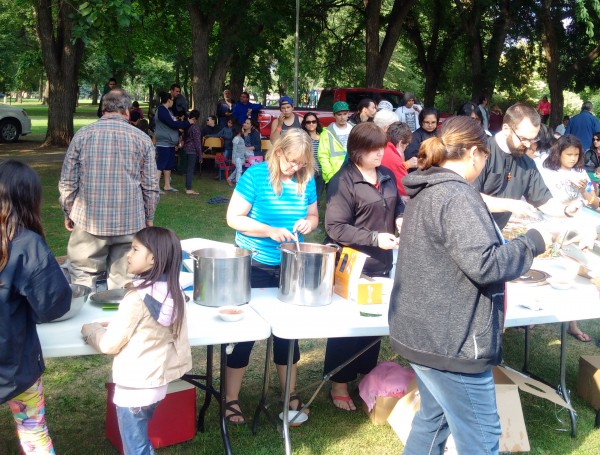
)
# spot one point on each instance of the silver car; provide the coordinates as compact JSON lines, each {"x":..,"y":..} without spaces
{"x":14,"y":122}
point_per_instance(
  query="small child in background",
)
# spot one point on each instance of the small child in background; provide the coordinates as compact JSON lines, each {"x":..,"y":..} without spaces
{"x":192,"y":144}
{"x":33,"y":290}
{"x":135,"y":113}
{"x":238,"y":156}
{"x":227,"y":134}
{"x":148,"y":334}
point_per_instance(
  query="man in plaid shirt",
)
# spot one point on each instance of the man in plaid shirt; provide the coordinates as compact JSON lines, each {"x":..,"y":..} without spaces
{"x":108,"y":192}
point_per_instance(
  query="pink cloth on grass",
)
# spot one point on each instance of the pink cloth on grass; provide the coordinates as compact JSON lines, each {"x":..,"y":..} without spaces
{"x":388,"y":379}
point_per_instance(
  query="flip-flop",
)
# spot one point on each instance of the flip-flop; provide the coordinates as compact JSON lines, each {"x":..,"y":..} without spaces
{"x":582,"y":337}
{"x":174,"y":190}
{"x":234,"y":412}
{"x":192,"y":193}
{"x":345,"y":398}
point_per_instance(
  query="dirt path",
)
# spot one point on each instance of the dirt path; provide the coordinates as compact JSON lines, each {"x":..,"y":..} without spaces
{"x":29,"y":150}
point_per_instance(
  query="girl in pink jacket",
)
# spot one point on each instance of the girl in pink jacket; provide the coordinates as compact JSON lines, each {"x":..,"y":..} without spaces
{"x":148,"y":334}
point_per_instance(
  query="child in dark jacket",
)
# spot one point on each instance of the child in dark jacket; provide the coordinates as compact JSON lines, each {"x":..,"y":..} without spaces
{"x":33,"y":290}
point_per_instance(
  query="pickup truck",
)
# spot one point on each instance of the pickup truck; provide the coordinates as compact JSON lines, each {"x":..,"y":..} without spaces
{"x":325,"y":104}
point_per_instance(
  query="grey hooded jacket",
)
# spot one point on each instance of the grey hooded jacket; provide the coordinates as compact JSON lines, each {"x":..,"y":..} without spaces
{"x":447,"y":304}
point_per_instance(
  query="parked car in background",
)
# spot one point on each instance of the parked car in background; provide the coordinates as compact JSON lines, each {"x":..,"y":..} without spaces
{"x":14,"y":122}
{"x":328,"y":97}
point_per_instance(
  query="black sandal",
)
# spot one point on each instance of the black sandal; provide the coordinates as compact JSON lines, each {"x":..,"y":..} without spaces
{"x":229,"y":406}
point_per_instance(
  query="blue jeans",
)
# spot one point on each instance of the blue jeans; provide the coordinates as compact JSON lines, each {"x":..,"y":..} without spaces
{"x":457,"y":403}
{"x":133,"y":426}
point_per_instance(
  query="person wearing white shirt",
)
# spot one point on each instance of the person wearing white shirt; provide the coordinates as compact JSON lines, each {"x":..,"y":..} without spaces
{"x":409,"y":113}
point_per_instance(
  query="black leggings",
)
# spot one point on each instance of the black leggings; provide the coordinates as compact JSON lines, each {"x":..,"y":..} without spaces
{"x":263,"y":276}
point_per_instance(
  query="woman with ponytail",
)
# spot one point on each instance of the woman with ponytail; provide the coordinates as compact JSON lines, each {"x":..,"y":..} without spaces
{"x":447,"y":305}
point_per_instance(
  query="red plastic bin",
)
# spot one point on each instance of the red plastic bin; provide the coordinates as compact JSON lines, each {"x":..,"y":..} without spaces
{"x":174,"y":420}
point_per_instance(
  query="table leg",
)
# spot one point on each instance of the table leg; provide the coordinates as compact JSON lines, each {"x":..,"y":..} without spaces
{"x":563,"y":384}
{"x":286,"y":399}
{"x":526,"y":354}
{"x":262,"y":404}
{"x":208,"y":390}
{"x":223,"y":399}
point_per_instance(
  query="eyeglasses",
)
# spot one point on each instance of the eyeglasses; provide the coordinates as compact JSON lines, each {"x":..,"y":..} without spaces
{"x":310,"y":122}
{"x":524,"y":140}
{"x":293,"y":163}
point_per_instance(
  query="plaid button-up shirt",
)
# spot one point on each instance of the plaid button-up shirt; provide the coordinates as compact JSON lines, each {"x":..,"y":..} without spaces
{"x":109,"y":181}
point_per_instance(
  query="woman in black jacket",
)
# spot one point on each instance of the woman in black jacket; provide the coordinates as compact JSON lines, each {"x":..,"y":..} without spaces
{"x":447,"y":304}
{"x":363,"y":210}
{"x":33,"y":290}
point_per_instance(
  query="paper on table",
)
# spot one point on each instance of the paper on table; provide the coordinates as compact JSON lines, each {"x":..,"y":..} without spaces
{"x":186,"y":279}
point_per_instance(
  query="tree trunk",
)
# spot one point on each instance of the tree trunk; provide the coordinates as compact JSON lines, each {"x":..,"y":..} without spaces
{"x":207,"y":82}
{"x":433,"y":55}
{"x":61,"y":55}
{"x":551,"y":54}
{"x":378,"y":59}
{"x":41,"y":87}
{"x":46,"y":94}
{"x":485,"y":62}
{"x":95,"y":93}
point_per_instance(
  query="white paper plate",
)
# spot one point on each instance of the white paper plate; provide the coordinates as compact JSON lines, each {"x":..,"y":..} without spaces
{"x":303,"y":417}
{"x":560,"y":285}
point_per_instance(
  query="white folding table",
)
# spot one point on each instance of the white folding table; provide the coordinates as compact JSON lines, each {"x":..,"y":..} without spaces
{"x":205,"y":328}
{"x":339,"y":319}
{"x":555,"y":306}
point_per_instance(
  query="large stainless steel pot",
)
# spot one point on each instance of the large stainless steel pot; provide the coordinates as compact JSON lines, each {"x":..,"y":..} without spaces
{"x":80,"y":294}
{"x":307,"y":271}
{"x":221,"y":276}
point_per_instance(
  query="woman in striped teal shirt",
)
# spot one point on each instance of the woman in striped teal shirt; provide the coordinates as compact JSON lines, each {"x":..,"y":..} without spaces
{"x":272,"y":200}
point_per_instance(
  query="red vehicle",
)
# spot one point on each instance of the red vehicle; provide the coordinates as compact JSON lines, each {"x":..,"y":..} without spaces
{"x":325,"y":105}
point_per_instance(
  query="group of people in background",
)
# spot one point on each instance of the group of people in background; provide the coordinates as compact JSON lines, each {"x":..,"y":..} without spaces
{"x":393,"y":179}
{"x":372,"y":195}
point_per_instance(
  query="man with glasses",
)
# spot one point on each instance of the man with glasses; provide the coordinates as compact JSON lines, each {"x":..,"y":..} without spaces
{"x":584,"y":125}
{"x":509,"y":174}
{"x":333,"y":142}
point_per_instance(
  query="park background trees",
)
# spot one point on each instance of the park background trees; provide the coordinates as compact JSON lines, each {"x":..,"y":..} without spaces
{"x":446,"y":51}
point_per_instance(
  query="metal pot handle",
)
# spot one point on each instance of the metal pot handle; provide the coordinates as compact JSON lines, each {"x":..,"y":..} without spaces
{"x":287,"y":251}
{"x":333,"y":245}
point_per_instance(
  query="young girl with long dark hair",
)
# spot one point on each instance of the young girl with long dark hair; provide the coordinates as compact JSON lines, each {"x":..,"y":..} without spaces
{"x":33,"y":289}
{"x":148,"y":334}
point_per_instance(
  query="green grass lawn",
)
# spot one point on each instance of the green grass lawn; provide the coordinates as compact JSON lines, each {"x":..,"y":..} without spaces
{"x":76,"y":397}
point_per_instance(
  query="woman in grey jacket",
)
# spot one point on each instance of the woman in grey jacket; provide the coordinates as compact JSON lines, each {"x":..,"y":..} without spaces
{"x":447,"y":305}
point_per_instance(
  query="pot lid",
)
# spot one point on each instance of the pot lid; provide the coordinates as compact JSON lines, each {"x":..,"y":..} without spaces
{"x":532,"y":277}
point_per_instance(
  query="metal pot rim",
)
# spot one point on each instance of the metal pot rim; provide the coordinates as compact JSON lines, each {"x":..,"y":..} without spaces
{"x":220,"y":253}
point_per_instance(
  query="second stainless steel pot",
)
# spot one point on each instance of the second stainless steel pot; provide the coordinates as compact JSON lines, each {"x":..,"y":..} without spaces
{"x":222,"y":276}
{"x":307,"y":273}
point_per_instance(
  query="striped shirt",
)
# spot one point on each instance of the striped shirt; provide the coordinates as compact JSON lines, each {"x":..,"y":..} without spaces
{"x":268,"y":208}
{"x":109,"y":182}
{"x":315,"y":145}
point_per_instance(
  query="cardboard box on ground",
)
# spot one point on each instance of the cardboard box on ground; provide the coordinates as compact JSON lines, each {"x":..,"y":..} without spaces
{"x":508,"y":382}
{"x":588,"y":382}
